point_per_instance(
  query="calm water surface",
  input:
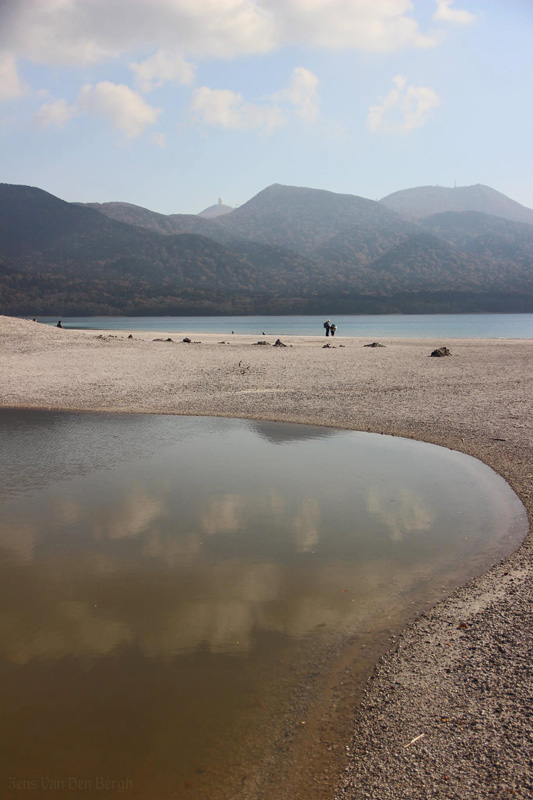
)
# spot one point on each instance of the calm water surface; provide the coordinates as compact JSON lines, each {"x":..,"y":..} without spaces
{"x":179,"y":594}
{"x":467,"y":326}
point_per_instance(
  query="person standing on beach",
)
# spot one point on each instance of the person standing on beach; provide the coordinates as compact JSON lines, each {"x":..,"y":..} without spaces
{"x":327,"y":326}
{"x":333,"y":328}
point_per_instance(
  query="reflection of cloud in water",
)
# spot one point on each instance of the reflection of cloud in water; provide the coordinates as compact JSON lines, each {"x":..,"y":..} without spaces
{"x":403,"y":512}
{"x":220,"y":609}
{"x":194,"y":602}
{"x":222,"y":627}
{"x":172,"y":551}
{"x":233,"y":512}
{"x":74,"y":629}
{"x":91,"y":568}
{"x":128,"y":516}
{"x":137,"y":513}
{"x":67,"y":510}
{"x":223,"y":514}
{"x":306,"y":526}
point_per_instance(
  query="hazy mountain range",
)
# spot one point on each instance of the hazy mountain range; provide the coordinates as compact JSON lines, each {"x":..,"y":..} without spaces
{"x":287,"y":250}
{"x":427,"y":200}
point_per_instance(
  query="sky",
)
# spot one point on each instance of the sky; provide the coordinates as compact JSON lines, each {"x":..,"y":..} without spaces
{"x":172,"y":104}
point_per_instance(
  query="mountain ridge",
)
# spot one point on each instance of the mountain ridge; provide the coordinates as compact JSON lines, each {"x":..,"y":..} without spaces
{"x":287,"y":250}
{"x":423,"y":201}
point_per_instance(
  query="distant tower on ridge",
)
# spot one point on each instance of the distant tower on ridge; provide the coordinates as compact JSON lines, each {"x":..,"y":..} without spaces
{"x":216,"y":211}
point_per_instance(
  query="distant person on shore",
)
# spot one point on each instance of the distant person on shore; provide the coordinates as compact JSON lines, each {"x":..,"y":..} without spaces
{"x":333,"y":328}
{"x":327,"y":326}
{"x":59,"y":325}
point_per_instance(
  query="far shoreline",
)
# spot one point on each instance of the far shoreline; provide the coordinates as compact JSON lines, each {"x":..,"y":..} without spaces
{"x":453,"y":326}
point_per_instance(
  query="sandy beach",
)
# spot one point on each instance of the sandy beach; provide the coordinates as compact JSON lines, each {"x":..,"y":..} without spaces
{"x":448,"y":712}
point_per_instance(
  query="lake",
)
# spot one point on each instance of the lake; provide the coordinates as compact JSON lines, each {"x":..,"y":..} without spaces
{"x":190,"y":606}
{"x":445,"y":326}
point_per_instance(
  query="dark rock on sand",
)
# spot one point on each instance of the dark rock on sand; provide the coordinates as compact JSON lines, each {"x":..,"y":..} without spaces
{"x":374,"y":344}
{"x":441,"y":351}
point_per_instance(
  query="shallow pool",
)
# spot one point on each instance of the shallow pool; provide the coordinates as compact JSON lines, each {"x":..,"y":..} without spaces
{"x":189,"y":605}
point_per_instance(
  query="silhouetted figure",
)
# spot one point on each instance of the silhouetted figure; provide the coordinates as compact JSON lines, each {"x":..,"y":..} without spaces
{"x":59,"y":325}
{"x":327,"y":326}
{"x":333,"y":328}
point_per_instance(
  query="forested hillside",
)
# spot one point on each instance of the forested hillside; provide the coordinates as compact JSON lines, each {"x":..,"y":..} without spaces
{"x":288,"y":250}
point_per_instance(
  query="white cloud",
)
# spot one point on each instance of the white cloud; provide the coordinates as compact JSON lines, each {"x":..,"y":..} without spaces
{"x":125,"y":109}
{"x":227,"y":109}
{"x":81,"y":32}
{"x":301,"y":93}
{"x":445,"y":13}
{"x":161,"y":68}
{"x":11,"y":85}
{"x":55,"y":114}
{"x":383,"y":26}
{"x":159,"y":139}
{"x":77,"y":32}
{"x":403,"y":109}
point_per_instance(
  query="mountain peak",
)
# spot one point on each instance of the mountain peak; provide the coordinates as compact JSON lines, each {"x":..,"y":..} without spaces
{"x":218,"y":210}
{"x":423,"y":201}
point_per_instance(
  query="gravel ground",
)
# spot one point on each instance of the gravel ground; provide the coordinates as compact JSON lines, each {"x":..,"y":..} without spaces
{"x":447,"y":713}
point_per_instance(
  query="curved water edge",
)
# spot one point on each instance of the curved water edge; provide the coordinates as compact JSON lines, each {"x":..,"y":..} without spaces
{"x":413,"y":514}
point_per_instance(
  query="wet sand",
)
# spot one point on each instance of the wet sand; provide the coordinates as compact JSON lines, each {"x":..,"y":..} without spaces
{"x":448,"y":711}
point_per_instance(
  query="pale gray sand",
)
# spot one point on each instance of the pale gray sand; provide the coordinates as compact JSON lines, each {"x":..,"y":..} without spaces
{"x":460,"y":678}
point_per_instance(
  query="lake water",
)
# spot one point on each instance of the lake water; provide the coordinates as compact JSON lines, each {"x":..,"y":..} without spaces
{"x":441,"y":326}
{"x":190,"y":605}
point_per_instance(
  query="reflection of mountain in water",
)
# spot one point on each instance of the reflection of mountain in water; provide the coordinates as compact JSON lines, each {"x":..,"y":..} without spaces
{"x":283,"y":432}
